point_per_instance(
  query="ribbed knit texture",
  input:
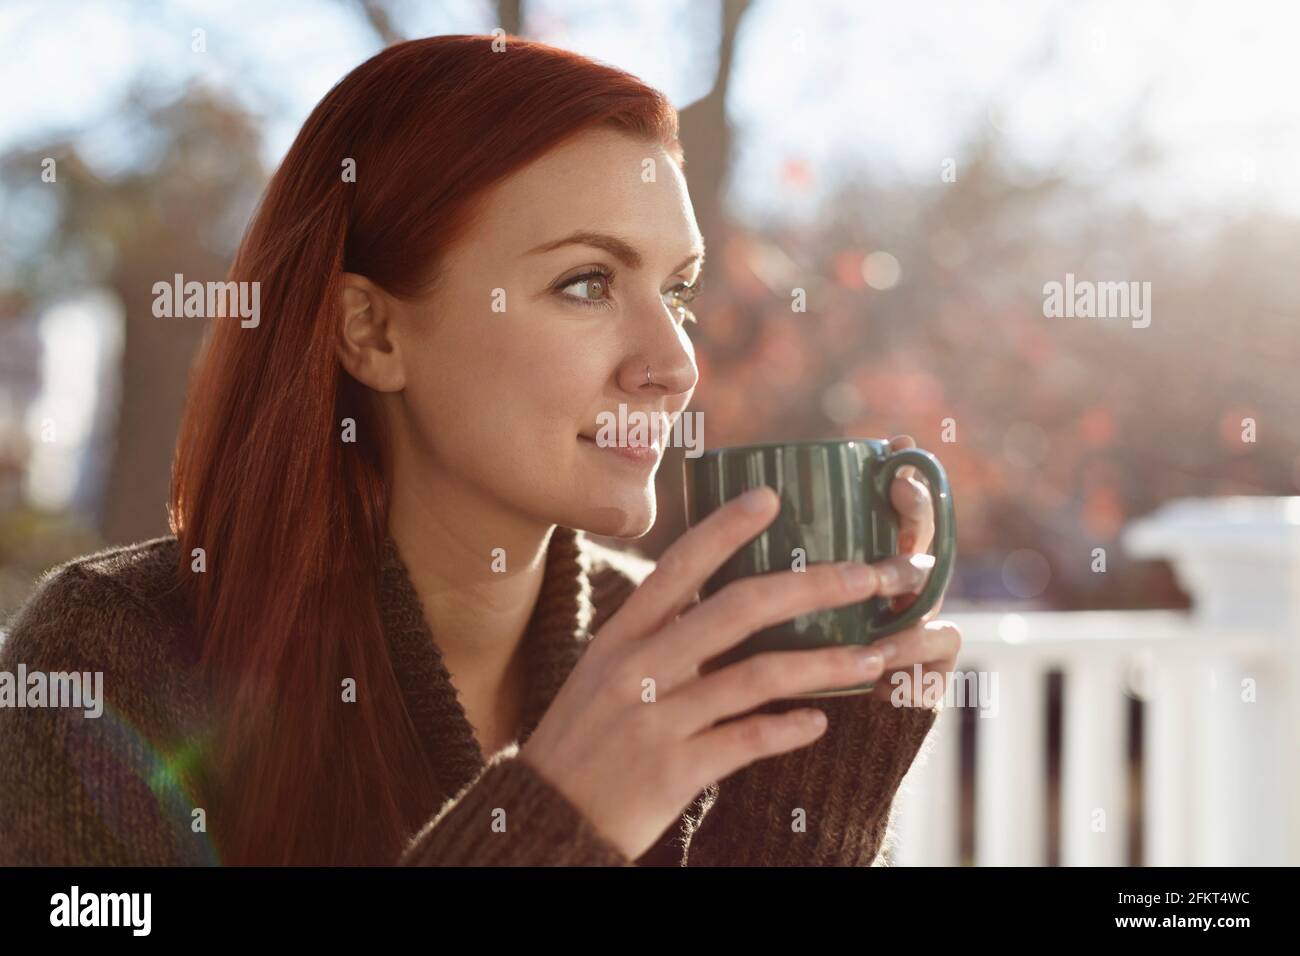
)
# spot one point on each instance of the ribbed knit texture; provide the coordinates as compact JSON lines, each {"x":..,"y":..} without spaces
{"x":82,"y":791}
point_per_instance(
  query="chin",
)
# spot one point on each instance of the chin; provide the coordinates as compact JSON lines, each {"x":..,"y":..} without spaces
{"x":616,"y":521}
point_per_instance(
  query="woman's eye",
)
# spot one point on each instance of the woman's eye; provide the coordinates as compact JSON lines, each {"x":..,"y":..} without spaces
{"x":679,"y":295}
{"x":592,"y":288}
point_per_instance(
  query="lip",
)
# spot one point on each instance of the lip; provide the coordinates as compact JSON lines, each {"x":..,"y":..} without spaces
{"x":634,"y":454}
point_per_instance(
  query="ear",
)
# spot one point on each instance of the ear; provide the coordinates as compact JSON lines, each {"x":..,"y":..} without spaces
{"x":366,"y":345}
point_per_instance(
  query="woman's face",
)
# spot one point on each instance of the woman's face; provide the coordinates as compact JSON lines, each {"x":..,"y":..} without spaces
{"x":547,"y":315}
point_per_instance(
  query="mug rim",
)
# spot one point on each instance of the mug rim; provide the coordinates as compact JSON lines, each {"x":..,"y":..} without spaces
{"x":798,"y":443}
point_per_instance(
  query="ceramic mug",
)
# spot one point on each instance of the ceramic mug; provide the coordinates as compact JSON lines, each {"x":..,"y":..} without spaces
{"x":835,"y":506}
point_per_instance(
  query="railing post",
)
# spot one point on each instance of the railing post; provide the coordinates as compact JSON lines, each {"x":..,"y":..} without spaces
{"x":1239,"y":560}
{"x":929,"y":821}
{"x":1011,"y":769}
{"x":1094,"y":773}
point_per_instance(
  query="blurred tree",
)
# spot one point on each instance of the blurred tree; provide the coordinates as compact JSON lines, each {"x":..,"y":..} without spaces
{"x":179,"y":208}
{"x":377,"y":14}
{"x":706,"y":133}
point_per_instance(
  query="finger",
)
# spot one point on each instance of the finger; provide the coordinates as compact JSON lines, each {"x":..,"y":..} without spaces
{"x":899,"y":442}
{"x":924,"y":644}
{"x":914,"y":504}
{"x":929,"y":649}
{"x":720,"y":752}
{"x":689,"y":562}
{"x":903,"y":689}
{"x":904,"y":601}
{"x":755,"y":603}
{"x":773,"y":675}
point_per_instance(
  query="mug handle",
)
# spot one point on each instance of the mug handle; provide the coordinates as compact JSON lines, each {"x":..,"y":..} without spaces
{"x":945,"y":546}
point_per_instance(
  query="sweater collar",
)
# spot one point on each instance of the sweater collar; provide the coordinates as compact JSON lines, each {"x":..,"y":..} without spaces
{"x":552,"y":643}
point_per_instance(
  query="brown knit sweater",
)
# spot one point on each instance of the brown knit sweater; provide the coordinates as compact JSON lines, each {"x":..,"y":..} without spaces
{"x":78,"y":790}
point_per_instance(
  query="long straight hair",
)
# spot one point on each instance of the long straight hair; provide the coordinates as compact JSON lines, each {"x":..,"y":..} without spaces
{"x":380,"y":181}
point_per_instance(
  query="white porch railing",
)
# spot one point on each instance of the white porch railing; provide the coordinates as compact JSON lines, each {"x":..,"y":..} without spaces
{"x":1220,"y":763}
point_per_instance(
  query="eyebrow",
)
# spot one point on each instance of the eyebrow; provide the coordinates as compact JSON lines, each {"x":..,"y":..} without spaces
{"x":621,"y":249}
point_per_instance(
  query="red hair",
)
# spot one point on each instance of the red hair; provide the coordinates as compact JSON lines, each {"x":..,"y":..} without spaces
{"x":292,"y":520}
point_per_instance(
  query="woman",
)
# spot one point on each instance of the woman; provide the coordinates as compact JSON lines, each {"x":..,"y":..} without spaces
{"x":370,"y":637}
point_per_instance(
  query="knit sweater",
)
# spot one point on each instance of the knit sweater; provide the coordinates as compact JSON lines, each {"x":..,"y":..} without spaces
{"x":83,"y":790}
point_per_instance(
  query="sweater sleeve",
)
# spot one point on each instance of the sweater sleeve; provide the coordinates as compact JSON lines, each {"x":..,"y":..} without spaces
{"x":78,"y":788}
{"x":844,"y":784}
{"x":510,"y":815}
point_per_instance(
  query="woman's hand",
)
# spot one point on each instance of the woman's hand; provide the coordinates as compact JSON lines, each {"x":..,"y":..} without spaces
{"x":630,"y":738}
{"x":932,"y":644}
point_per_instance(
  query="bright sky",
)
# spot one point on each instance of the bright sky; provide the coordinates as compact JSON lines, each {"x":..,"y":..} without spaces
{"x":894,"y":86}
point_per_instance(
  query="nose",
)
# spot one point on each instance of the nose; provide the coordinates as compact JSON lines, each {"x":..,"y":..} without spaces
{"x":663,"y":363}
{"x":673,"y":374}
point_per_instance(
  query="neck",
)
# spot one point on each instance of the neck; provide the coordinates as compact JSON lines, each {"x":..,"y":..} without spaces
{"x":477,"y":612}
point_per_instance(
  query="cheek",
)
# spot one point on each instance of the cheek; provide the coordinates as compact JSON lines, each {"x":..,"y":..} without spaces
{"x":507,"y":397}
{"x":539,"y":387}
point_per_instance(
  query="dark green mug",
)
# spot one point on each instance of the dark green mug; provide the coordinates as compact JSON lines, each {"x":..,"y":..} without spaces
{"x":835,"y":506}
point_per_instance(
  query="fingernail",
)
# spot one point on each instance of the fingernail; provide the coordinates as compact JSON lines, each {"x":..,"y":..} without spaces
{"x":754,"y":500}
{"x":869,"y":659}
{"x":857,"y":577}
{"x":815,"y":718}
{"x":887,"y":650}
{"x":921,"y":565}
{"x":888,"y":576}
